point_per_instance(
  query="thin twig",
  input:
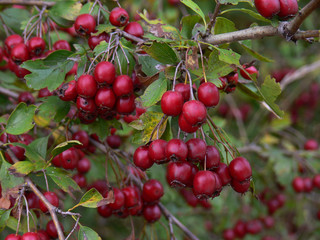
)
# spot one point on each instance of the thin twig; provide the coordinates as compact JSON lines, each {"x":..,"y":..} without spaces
{"x":29,"y":2}
{"x":213,"y":18}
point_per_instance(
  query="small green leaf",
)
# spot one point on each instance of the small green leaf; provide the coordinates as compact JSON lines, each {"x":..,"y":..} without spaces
{"x":39,"y":146}
{"x":148,"y":65}
{"x":21,"y":119}
{"x":163,"y":53}
{"x":101,"y":47}
{"x":13,"y":18}
{"x":247,"y":90}
{"x":102,"y":127}
{"x":188,"y":23}
{"x":4,"y":216}
{"x":54,"y":108}
{"x":86,"y":233}
{"x":256,"y":54}
{"x":21,"y":169}
{"x":62,"y":179}
{"x":229,"y":56}
{"x":154,"y":92}
{"x":64,"y":146}
{"x":8,"y":181}
{"x":68,"y":10}
{"x":31,"y":152}
{"x":224,"y":25}
{"x":195,"y":8}
{"x":248,"y":12}
{"x":49,"y":72}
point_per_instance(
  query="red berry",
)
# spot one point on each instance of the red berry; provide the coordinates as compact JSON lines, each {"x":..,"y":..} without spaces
{"x":13,"y":237}
{"x":152,"y":213}
{"x":194,"y":112}
{"x":80,"y":179}
{"x":93,"y":41}
{"x":212,"y":157}
{"x":43,"y":235}
{"x":273,"y":205}
{"x":288,"y":8}
{"x":134,"y":29}
{"x":240,"y":229}
{"x":189,"y":197}
{"x":33,"y":200}
{"x":69,"y":158}
{"x":298,"y":184}
{"x":184,"y":89}
{"x":19,"y":53}
{"x":240,"y":187}
{"x":84,"y":165}
{"x":141,"y":158}
{"x":229,"y":234}
{"x":105,"y":211}
{"x":179,"y":174}
{"x":132,"y":197}
{"x":208,"y":94}
{"x":176,"y":150}
{"x":85,"y":24}
{"x":204,"y":184}
{"x":308,"y":184}
{"x":114,"y":141}
{"x":186,"y":126}
{"x":123,"y":86}
{"x":311,"y":145}
{"x":73,"y":70}
{"x":44,"y":92}
{"x":30,"y":236}
{"x":157,"y":151}
{"x":11,"y":42}
{"x":105,"y":98}
{"x":171,"y":103}
{"x":152,"y":191}
{"x":52,"y":230}
{"x":86,"y":86}
{"x":17,"y":151}
{"x":86,"y":104}
{"x":316,"y":181}
{"x":119,"y":199}
{"x":26,"y":97}
{"x":87,"y":118}
{"x":61,"y":45}
{"x":56,"y":161}
{"x":68,"y":91}
{"x":249,"y":71}
{"x":126,"y":105}
{"x":52,"y":198}
{"x":118,"y":17}
{"x":196,"y":150}
{"x":240,"y":169}
{"x":83,"y":137}
{"x":223,"y":173}
{"x":267,"y":8}
{"x":105,"y":73}
{"x":36,"y":46}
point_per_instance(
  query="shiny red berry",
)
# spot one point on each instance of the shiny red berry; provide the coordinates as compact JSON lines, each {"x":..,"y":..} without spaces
{"x":80,"y":179}
{"x":123,"y":86}
{"x":105,"y":98}
{"x":132,"y":197}
{"x":194,"y":112}
{"x":240,"y":187}
{"x":184,"y":89}
{"x":114,"y":141}
{"x":223,"y":172}
{"x":84,"y":165}
{"x":126,"y":105}
{"x":157,"y":151}
{"x":240,"y":169}
{"x":52,"y":198}
{"x":179,"y":174}
{"x":212,"y":157}
{"x":26,"y":97}
{"x":86,"y":86}
{"x":83,"y":137}
{"x":208,"y":94}
{"x":93,"y":41}
{"x":85,"y":24}
{"x":141,"y":158}
{"x":13,"y":237}
{"x":196,"y":149}
{"x":152,"y":213}
{"x":298,"y":184}
{"x":43,"y":235}
{"x":86,"y":104}
{"x":118,"y":17}
{"x":249,"y":72}
{"x":267,"y":8}
{"x":105,"y":211}
{"x":176,"y":150}
{"x":171,"y":103}
{"x":152,"y":191}
{"x":19,"y":53}
{"x":52,"y":230}
{"x":11,"y":42}
{"x":311,"y":145}
{"x":204,"y":184}
{"x":36,"y":46}
{"x":288,"y":8}
{"x":30,"y":236}
{"x":61,"y":45}
{"x":185,"y":126}
{"x":105,"y":73}
{"x":134,"y":29}
{"x":68,"y":91}
{"x":119,"y":199}
{"x":69,"y":158}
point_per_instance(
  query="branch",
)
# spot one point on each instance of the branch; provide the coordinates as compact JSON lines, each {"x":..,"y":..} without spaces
{"x":129,"y":36}
{"x":8,"y":93}
{"x":213,"y":18}
{"x":28,"y":2}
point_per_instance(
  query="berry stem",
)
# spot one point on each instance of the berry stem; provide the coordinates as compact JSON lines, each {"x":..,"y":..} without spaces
{"x":175,"y":75}
{"x":46,"y":180}
{"x":203,"y":67}
{"x":27,"y":212}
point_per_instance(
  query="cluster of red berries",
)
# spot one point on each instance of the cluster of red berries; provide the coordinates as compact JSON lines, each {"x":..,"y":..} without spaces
{"x":192,"y":201}
{"x":273,"y":201}
{"x":253,"y":227}
{"x":230,"y":81}
{"x":132,"y":201}
{"x":306,"y":184}
{"x":282,"y":8}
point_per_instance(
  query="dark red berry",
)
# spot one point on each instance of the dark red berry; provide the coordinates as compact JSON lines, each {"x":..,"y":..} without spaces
{"x":68,"y":91}
{"x":87,"y":118}
{"x":26,"y":97}
{"x":157,"y":151}
{"x":119,"y":200}
{"x":13,"y":237}
{"x":223,"y":172}
{"x":141,"y":158}
{"x":93,"y":41}
{"x":134,"y":29}
{"x":56,"y":161}
{"x":11,"y":42}
{"x":69,"y":158}
{"x":288,"y":8}
{"x":52,"y":230}
{"x":123,"y":86}
{"x":86,"y":86}
{"x":176,"y":150}
{"x":240,"y":187}
{"x":43,"y":235}
{"x":36,"y":46}
{"x":114,"y":141}
{"x":208,"y":94}
{"x":105,"y":73}
{"x":194,"y":112}
{"x":33,"y":200}
{"x":105,"y":211}
{"x":316,"y":181}
{"x":118,"y":17}
{"x":61,"y":45}
{"x":267,"y":9}
{"x":83,"y":137}
{"x":44,"y":92}
{"x":240,"y":229}
{"x":52,"y":198}
{"x":184,"y":89}
{"x":204,"y":184}
{"x":85,"y":24}
{"x":268,"y":221}
{"x":298,"y":184}
{"x":186,"y":126}
{"x":212,"y":157}
{"x":84,"y":165}
{"x":30,"y":236}
{"x":229,"y":234}
{"x":189,"y":197}
{"x":19,"y":53}
{"x":80,"y":179}
{"x":126,"y":105}
{"x":105,"y":98}
{"x":152,"y":191}
{"x":171,"y":103}
{"x":132,"y":197}
{"x":254,"y":226}
{"x":308,"y":184}
{"x":152,"y":213}
{"x":86,"y":104}
{"x":196,"y":150}
{"x":311,"y":145}
{"x":179,"y":174}
{"x":249,"y":72}
{"x":240,"y":169}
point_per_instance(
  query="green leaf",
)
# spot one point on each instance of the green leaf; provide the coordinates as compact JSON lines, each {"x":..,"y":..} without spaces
{"x":21,"y":119}
{"x":102,"y":127}
{"x":86,"y":233}
{"x":256,"y":54}
{"x":224,"y":25}
{"x":195,"y":8}
{"x":54,"y":108}
{"x":39,"y":146}
{"x":270,"y":90}
{"x":62,"y":179}
{"x":68,"y":10}
{"x":21,"y":169}
{"x":103,"y":28}
{"x":188,"y":23}
{"x":49,"y":72}
{"x":148,"y":65}
{"x":229,"y":56}
{"x":235,"y":2}
{"x":247,"y":90}
{"x":8,"y":181}
{"x":8,"y":80}
{"x":13,"y":18}
{"x":93,"y":199}
{"x":64,"y":146}
{"x":247,"y":12}
{"x":4,"y":216}
{"x":154,"y":92}
{"x":31,"y":152}
{"x":163,"y":53}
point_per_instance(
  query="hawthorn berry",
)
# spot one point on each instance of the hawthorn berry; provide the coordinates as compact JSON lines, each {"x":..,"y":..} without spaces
{"x":288,"y":8}
{"x":105,"y":98}
{"x":208,"y":94}
{"x":141,"y":158}
{"x":13,"y":237}
{"x":30,"y":236}
{"x":223,"y":173}
{"x":118,"y":17}
{"x":52,"y":198}
{"x":134,"y":29}
{"x":119,"y":200}
{"x":229,"y":234}
{"x":105,"y":73}
{"x":93,"y":41}
{"x":61,"y":45}
{"x":86,"y":104}
{"x":196,"y":150}
{"x":298,"y":184}
{"x":176,"y":150}
{"x":316,"y":181}
{"x":36,"y":46}
{"x":52,"y":230}
{"x":10,"y":42}
{"x":254,"y":226}
{"x":132,"y":197}
{"x":26,"y":97}
{"x":186,"y":126}
{"x":194,"y":112}
{"x":19,"y":53}
{"x":152,"y":213}
{"x":267,"y":8}
{"x":68,"y":91}
{"x":204,"y":184}
{"x":86,"y":86}
{"x":83,"y":137}
{"x":212,"y":157}
{"x":80,"y":179}
{"x":69,"y":158}
{"x":248,"y":72}
{"x":179,"y":174}
{"x":157,"y":151}
{"x":184,"y":89}
{"x":152,"y":191}
{"x":85,"y":24}
{"x":122,"y":86}
{"x":44,"y":92}
{"x":311,"y":145}
{"x":126,"y":105}
{"x":240,"y":187}
{"x":240,"y":229}
{"x":105,"y":211}
{"x":114,"y":141}
{"x":240,"y":169}
{"x":308,"y":184}
{"x":171,"y":103}
{"x":43,"y":235}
